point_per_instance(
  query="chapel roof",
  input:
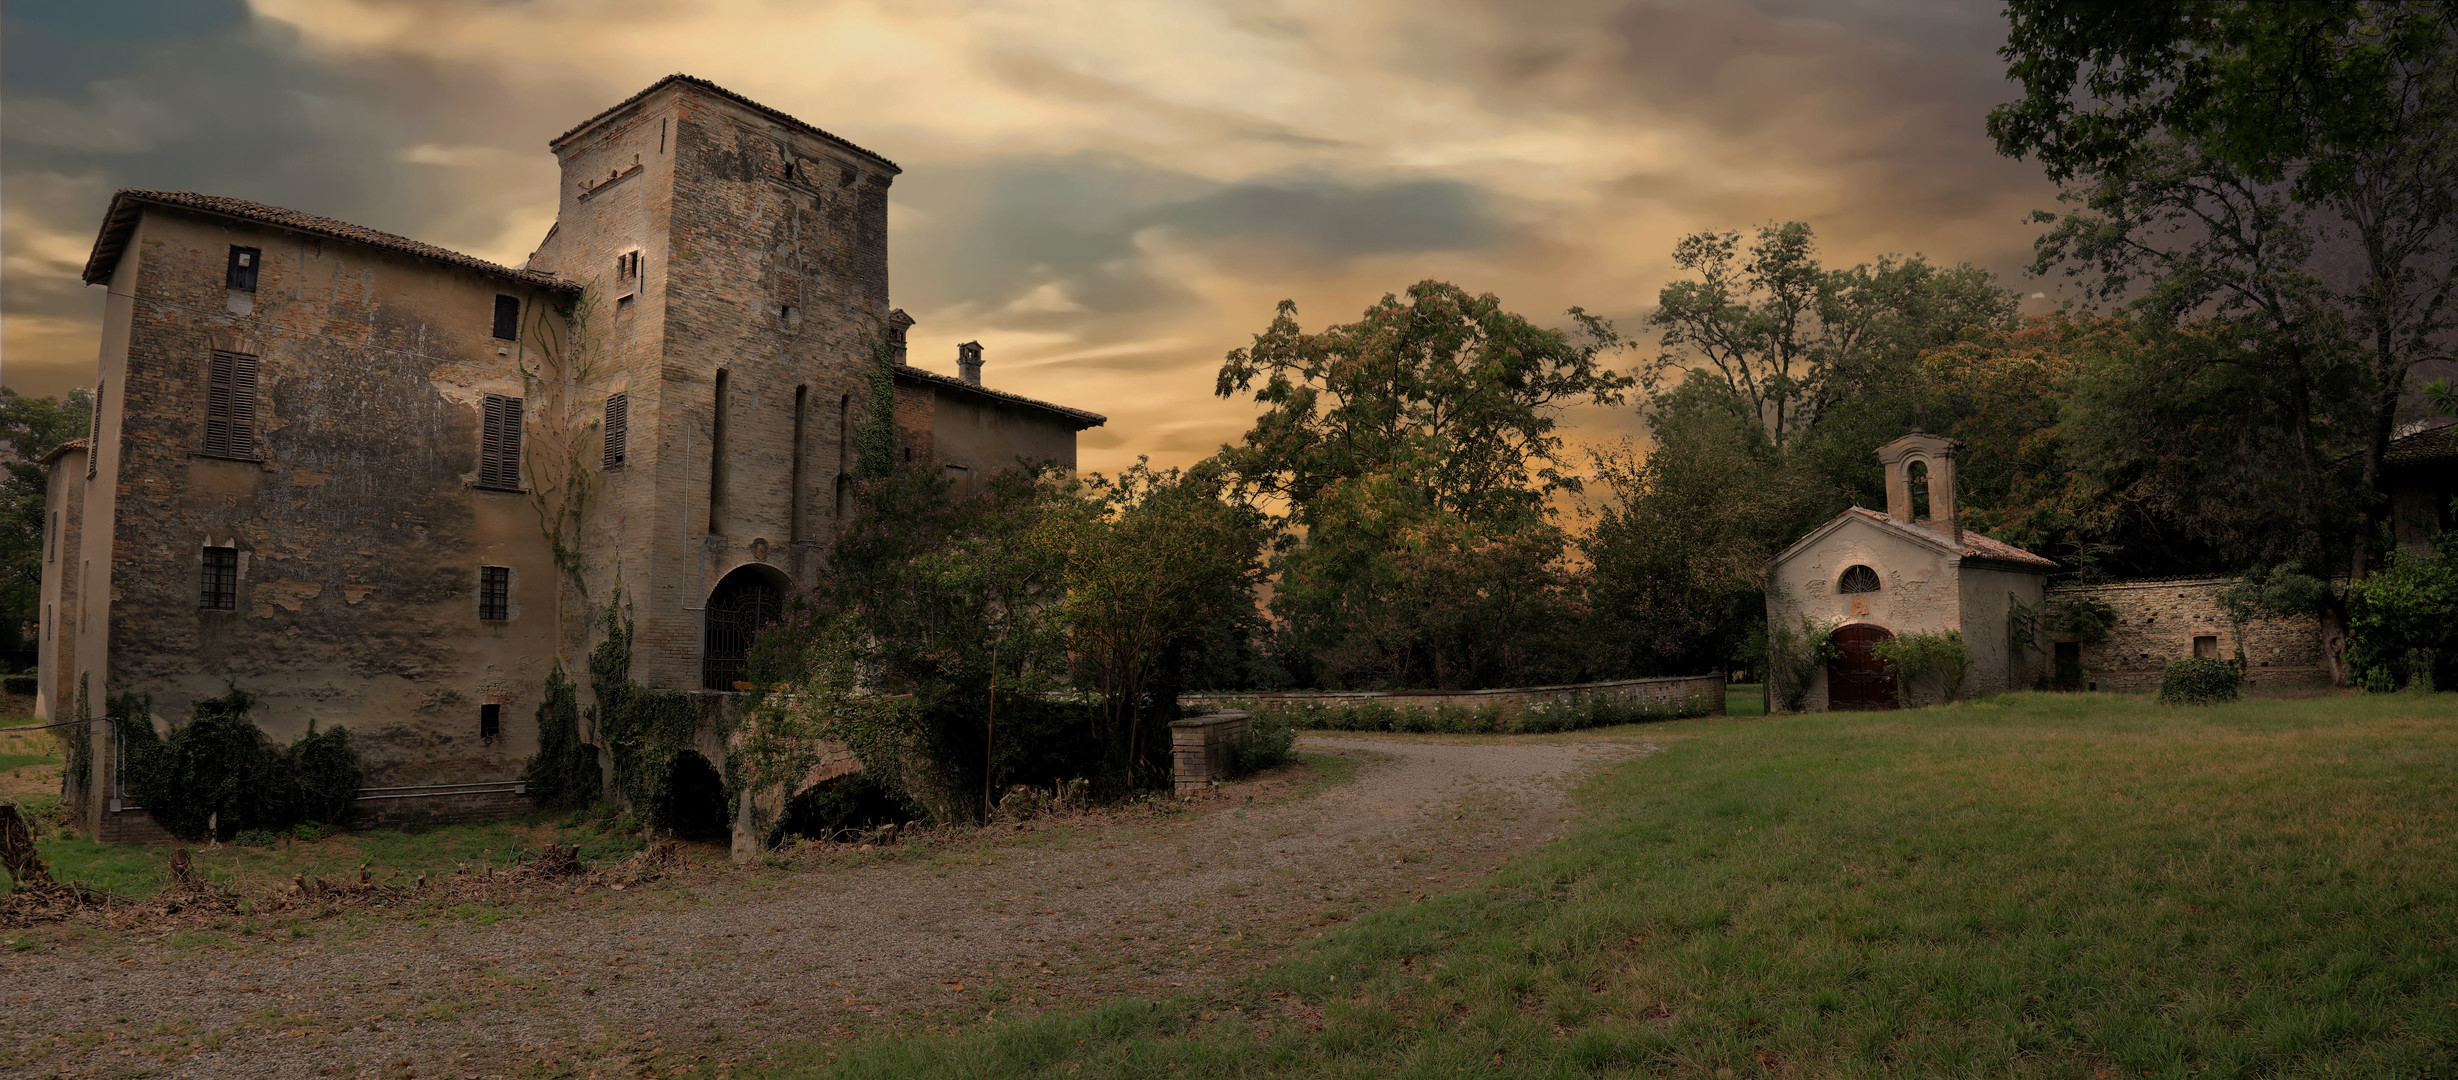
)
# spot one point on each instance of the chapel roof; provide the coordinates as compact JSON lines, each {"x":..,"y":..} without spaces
{"x":120,"y":221}
{"x":1974,"y":546}
{"x":2432,"y":446}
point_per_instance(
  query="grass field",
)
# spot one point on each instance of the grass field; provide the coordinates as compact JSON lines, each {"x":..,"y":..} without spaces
{"x":2038,"y":885}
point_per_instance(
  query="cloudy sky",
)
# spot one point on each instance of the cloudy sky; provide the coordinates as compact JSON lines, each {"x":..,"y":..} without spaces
{"x":1108,"y":196}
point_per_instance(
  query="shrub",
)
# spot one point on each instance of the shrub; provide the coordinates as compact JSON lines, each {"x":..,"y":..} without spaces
{"x":18,"y":684}
{"x":219,"y":774}
{"x":2399,"y":628}
{"x":1269,"y":737}
{"x":2199,"y":681}
{"x":1919,"y":656}
{"x":1795,"y":657}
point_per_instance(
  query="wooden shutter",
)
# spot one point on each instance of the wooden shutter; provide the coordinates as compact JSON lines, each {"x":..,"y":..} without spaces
{"x":618,"y":429}
{"x":499,"y":443}
{"x":230,"y":405}
{"x":241,"y":275}
{"x":507,"y":317}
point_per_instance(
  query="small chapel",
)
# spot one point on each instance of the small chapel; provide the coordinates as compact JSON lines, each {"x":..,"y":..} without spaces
{"x":1912,"y":569}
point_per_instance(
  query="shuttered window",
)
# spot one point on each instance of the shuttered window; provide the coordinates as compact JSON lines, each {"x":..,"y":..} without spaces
{"x":507,"y":317}
{"x":242,"y":272}
{"x":618,"y":429}
{"x":495,"y":593}
{"x":230,"y":405}
{"x":499,"y":443}
{"x":220,"y":587}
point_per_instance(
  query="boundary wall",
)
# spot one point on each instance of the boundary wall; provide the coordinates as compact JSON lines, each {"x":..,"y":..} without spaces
{"x":1671,"y":690}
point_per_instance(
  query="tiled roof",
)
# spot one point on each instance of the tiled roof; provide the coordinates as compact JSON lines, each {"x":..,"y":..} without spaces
{"x":1078,"y":417}
{"x":1975,"y":545}
{"x":127,"y":204}
{"x":722,"y":92}
{"x":2438,"y":446}
{"x":54,"y":453}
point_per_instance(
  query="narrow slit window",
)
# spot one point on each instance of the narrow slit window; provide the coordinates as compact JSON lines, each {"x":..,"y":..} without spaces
{"x":230,"y":405}
{"x":243,"y":266}
{"x":794,"y":508}
{"x":507,"y":317}
{"x":499,"y":443}
{"x":93,"y":430}
{"x":716,"y":457}
{"x":490,"y":721}
{"x":221,"y":580}
{"x":618,"y":429}
{"x":1858,"y":579}
{"x":494,"y":593}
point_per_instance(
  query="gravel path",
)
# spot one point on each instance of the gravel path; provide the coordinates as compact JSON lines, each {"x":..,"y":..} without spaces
{"x":713,"y":968}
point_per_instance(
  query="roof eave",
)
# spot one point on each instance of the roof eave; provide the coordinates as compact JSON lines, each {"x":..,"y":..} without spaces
{"x":833,"y":139}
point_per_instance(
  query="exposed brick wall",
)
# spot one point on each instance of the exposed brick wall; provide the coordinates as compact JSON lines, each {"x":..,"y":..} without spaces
{"x":1200,"y":746}
{"x":2158,"y":620}
{"x":1662,"y":691}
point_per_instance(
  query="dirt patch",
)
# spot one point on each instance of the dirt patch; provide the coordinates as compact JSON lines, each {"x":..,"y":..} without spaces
{"x":709,"y":969}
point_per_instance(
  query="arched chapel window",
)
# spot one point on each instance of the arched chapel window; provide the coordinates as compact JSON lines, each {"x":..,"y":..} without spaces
{"x":1857,"y":579}
{"x":1917,"y":479}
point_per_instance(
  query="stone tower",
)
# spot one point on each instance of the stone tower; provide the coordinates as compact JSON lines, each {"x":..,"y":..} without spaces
{"x":736,"y":274}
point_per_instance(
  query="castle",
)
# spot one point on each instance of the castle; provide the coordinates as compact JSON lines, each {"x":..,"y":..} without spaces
{"x":377,"y":483}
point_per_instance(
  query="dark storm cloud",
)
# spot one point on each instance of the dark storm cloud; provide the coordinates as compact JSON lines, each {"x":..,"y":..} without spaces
{"x":995,"y":230}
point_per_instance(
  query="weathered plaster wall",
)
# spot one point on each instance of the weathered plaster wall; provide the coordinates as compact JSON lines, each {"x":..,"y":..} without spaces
{"x":2158,"y":620}
{"x":55,"y":691}
{"x":360,"y":533}
{"x":1988,"y":598}
{"x":982,"y":436}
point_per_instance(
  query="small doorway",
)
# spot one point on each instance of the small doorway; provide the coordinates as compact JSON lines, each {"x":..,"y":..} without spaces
{"x":1858,"y":679}
{"x":695,"y":800}
{"x":740,"y":607}
{"x":2068,"y":675}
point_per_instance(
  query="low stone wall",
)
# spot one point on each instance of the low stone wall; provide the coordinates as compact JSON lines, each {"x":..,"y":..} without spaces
{"x":2157,"y":622}
{"x":1671,"y":690}
{"x":1200,"y":746}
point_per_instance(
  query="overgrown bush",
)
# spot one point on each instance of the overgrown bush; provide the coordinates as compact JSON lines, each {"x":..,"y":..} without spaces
{"x":218,"y":774}
{"x":1929,"y":656}
{"x":1266,"y":745}
{"x":1795,"y":655}
{"x":2200,"y":681}
{"x":2402,"y":623}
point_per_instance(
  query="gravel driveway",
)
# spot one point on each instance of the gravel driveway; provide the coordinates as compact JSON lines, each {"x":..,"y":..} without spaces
{"x":710,"y":969}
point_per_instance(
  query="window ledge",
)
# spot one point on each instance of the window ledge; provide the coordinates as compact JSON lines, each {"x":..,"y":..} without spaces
{"x":253,"y":459}
{"x":499,"y":490}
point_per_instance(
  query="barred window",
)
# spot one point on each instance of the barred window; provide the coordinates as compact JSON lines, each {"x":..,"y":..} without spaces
{"x":495,"y":593}
{"x":618,"y":429}
{"x":220,"y":590}
{"x":1858,"y":579}
{"x":499,"y":443}
{"x":230,"y":405}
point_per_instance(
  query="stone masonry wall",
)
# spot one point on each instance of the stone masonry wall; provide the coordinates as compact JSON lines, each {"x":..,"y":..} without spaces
{"x":1662,"y":691}
{"x":2157,"y":622}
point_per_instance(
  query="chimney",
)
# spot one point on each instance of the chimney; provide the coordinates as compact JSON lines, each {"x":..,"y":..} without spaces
{"x":898,"y":323}
{"x":968,"y":362}
{"x":1920,"y":483}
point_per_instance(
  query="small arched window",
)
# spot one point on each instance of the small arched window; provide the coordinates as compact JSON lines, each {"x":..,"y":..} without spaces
{"x":1857,"y":579}
{"x":1917,"y":479}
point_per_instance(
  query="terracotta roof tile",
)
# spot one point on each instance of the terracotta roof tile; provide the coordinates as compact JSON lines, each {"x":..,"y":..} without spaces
{"x":127,"y":204}
{"x":2433,"y":447}
{"x":1079,"y":417}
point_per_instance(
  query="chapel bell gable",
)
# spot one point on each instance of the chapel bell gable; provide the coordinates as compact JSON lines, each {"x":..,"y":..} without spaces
{"x":1920,"y":482}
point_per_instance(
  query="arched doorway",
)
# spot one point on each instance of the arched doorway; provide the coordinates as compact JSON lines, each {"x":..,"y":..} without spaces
{"x":695,"y":799}
{"x":1857,"y":679}
{"x":738,"y":609}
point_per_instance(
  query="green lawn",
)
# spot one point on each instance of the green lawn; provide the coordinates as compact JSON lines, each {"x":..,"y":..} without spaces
{"x":139,"y":870}
{"x":1745,"y":699}
{"x":2039,"y":885}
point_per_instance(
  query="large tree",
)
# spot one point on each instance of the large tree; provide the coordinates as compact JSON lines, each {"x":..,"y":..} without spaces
{"x":1410,"y":459}
{"x":2280,"y":178}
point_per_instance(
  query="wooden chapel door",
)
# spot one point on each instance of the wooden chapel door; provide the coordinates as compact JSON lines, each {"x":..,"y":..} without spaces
{"x":1858,"y":679}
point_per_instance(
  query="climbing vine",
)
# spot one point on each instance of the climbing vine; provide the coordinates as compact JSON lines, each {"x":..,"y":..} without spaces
{"x":1795,"y":656}
{"x":875,"y":443}
{"x":645,"y":729}
{"x":559,"y":479}
{"x":563,"y":775}
{"x":1918,"y":657}
{"x":78,"y":742}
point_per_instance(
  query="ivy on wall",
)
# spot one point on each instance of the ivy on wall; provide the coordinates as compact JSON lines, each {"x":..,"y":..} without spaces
{"x":646,"y":730}
{"x":564,"y":774}
{"x":218,"y":774}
